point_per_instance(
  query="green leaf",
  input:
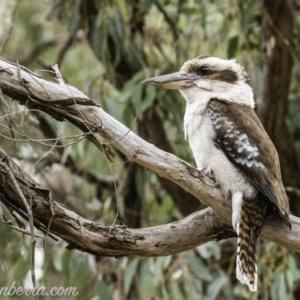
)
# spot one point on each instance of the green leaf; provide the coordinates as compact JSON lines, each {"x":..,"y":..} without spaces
{"x":209,"y":250}
{"x":54,"y":13}
{"x":145,"y":5}
{"x":129,"y":273}
{"x":128,"y":118}
{"x":167,"y":261}
{"x":199,"y":268}
{"x":94,"y":204}
{"x":105,"y":290}
{"x":278,"y":288}
{"x":18,"y":270}
{"x":127,"y":91}
{"x":78,"y":268}
{"x":136,"y":96}
{"x":97,"y":297}
{"x":176,"y":293}
{"x":147,"y":287}
{"x":74,"y":17}
{"x":292,"y":273}
{"x":57,"y":259}
{"x":215,"y":287}
{"x":149,"y":98}
{"x":232,"y":46}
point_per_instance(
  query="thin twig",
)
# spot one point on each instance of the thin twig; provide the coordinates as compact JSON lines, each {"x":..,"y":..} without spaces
{"x":58,"y":76}
{"x":8,"y":116}
{"x":29,"y":213}
{"x":9,"y":224}
{"x":32,"y":243}
{"x":39,"y":141}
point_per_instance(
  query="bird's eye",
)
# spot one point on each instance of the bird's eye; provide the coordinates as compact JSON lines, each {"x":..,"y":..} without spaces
{"x":203,"y":70}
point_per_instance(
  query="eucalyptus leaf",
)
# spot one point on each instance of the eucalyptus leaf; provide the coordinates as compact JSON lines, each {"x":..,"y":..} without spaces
{"x":198,"y":267}
{"x":57,"y":259}
{"x":147,"y":102}
{"x":232,"y":46}
{"x":210,"y":249}
{"x":278,"y":288}
{"x":215,"y":287}
{"x":129,"y":273}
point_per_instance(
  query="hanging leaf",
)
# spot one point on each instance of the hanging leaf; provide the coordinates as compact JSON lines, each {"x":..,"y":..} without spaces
{"x":232,"y":47}
{"x":129,"y":273}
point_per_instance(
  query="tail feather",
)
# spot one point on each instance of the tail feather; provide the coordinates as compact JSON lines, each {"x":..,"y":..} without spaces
{"x":252,"y":217}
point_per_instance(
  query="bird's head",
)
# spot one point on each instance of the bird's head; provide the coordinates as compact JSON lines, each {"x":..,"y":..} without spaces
{"x":206,"y":77}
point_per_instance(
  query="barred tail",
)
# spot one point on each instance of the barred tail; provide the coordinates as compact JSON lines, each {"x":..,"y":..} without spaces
{"x":252,"y":217}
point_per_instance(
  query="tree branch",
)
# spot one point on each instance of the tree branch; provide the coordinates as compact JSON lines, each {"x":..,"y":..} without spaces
{"x":97,"y":239}
{"x":198,"y":228}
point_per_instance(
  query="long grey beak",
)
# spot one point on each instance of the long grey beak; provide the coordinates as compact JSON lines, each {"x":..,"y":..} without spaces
{"x":173,"y":81}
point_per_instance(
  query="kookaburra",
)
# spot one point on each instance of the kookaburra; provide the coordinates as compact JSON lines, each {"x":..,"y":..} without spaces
{"x":227,"y":139}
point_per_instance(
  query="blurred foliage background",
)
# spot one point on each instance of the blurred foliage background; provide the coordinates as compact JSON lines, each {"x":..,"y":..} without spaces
{"x":105,"y":48}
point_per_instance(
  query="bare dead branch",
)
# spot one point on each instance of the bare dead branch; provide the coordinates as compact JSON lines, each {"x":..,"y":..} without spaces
{"x":4,"y":164}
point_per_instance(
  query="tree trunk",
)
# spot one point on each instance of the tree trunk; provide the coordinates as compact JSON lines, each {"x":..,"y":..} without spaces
{"x":272,"y":105}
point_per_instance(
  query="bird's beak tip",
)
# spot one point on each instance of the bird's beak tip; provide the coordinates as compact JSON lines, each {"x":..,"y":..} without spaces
{"x":152,"y":81}
{"x":145,"y":81}
{"x":173,"y":81}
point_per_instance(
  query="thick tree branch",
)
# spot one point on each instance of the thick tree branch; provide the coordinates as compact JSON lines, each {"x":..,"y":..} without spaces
{"x":94,"y":238}
{"x":91,"y":237}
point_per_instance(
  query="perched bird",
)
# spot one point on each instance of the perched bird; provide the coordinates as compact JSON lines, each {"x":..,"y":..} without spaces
{"x":228,"y":139}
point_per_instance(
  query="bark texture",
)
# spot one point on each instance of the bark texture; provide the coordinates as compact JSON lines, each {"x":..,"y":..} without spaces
{"x":272,"y":105}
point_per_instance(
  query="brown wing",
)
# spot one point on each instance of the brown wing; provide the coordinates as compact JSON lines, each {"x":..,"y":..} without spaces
{"x":241,"y":136}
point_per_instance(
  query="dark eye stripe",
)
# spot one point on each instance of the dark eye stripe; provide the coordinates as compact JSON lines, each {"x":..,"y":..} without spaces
{"x":225,"y":75}
{"x":208,"y":72}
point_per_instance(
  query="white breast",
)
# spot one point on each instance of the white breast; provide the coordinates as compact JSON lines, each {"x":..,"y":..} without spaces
{"x":200,"y":134}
